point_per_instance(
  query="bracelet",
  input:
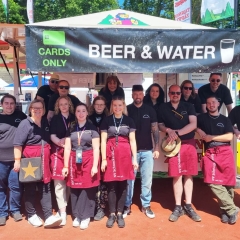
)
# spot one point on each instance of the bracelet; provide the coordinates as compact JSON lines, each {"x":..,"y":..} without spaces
{"x":104,"y":159}
{"x":65,"y":167}
{"x":17,"y":159}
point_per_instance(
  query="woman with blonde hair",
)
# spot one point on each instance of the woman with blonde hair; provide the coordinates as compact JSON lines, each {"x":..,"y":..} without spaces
{"x":61,"y":121}
{"x":118,"y":148}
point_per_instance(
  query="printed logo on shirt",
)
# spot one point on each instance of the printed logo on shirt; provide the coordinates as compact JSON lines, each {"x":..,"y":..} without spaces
{"x":47,"y":129}
{"x":220,"y":125}
{"x":98,"y":119}
{"x":146,"y":116}
{"x":219,"y":99}
{"x":87,"y":131}
{"x":183,"y":112}
{"x":17,"y":120}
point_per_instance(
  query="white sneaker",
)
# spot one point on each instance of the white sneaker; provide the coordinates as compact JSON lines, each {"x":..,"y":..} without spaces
{"x":76,"y":222}
{"x":52,"y":221}
{"x":84,"y":223}
{"x":35,"y":221}
{"x":64,"y":218}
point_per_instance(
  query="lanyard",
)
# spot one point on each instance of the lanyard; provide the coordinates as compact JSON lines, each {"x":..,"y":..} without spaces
{"x":117,"y":128}
{"x":64,"y":121}
{"x":80,"y":136}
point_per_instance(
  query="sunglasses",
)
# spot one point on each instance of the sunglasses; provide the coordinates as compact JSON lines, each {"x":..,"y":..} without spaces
{"x":54,"y":81}
{"x":178,"y":115}
{"x":64,"y":87}
{"x":187,"y":88}
{"x":215,"y":80}
{"x":175,"y":93}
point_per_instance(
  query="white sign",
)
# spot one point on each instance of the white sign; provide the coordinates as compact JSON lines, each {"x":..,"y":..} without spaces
{"x":30,"y":11}
{"x":182,"y":10}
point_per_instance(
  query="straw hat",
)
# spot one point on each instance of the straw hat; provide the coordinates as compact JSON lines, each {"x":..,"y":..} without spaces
{"x":54,"y":77}
{"x":171,"y":149}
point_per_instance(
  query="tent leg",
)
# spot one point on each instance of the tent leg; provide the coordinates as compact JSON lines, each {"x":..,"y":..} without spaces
{"x":15,"y":75}
{"x":39,"y":79}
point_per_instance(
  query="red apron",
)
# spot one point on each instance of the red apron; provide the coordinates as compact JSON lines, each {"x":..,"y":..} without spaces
{"x":185,"y":162}
{"x":79,"y":175}
{"x":57,"y":162}
{"x":35,"y":151}
{"x":119,"y":161}
{"x":219,"y":167}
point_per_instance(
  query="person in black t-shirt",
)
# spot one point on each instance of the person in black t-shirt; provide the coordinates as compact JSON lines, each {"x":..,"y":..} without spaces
{"x":217,"y":89}
{"x":234,"y":116}
{"x":112,"y":88}
{"x":10,"y":118}
{"x":97,"y":112}
{"x":63,"y":90}
{"x":81,"y":158}
{"x":118,"y":148}
{"x":218,"y":162}
{"x":45,"y":92}
{"x":32,"y":133}
{"x":178,"y":120}
{"x":61,"y":121}
{"x":189,"y":95}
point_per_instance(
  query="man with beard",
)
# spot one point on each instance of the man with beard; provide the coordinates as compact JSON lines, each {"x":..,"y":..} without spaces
{"x":178,"y":120}
{"x":145,"y":120}
{"x":218,"y":162}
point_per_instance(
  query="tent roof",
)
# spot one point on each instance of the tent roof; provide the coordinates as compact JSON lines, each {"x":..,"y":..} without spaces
{"x":119,"y":18}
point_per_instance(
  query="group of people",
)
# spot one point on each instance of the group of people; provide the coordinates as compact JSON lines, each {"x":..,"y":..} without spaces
{"x":93,"y":154}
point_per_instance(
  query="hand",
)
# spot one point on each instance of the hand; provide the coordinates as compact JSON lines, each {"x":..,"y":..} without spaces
{"x":94,"y":171}
{"x":156,"y":154}
{"x":201,"y":133}
{"x":61,"y":142}
{"x":237,"y":133}
{"x":172,"y":136}
{"x":65,"y":172}
{"x":207,"y":138}
{"x":104,"y":165}
{"x":135,"y":165}
{"x":16,"y":166}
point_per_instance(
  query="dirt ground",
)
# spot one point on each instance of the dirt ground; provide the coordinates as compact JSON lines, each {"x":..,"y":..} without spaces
{"x":138,"y":226}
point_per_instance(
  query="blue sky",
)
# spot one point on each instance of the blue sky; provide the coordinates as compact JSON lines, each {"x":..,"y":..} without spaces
{"x":120,"y":2}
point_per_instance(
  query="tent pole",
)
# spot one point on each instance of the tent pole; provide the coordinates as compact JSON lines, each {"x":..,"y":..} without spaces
{"x":39,"y":79}
{"x":6,"y":66}
{"x":236,"y":6}
{"x":17,"y":83}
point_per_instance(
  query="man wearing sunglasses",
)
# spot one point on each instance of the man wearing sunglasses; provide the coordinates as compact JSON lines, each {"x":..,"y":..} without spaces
{"x":216,"y":88}
{"x":46,"y":91}
{"x":63,"y":90}
{"x":178,"y":119}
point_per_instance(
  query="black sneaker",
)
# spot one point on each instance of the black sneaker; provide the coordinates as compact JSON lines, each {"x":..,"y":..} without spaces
{"x":2,"y":221}
{"x":192,"y":214}
{"x":17,"y":216}
{"x":111,"y":220}
{"x":126,"y":211}
{"x":149,"y":213}
{"x":99,"y":215}
{"x":120,"y":221}
{"x":224,"y":218}
{"x":177,"y":212}
{"x":233,"y":218}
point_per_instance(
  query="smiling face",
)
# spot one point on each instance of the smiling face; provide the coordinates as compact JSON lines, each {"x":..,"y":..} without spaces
{"x":174,"y":94}
{"x":112,"y":85}
{"x":81,"y":113}
{"x":137,"y":97}
{"x":154,"y":92}
{"x":37,"y":110}
{"x":187,"y":90}
{"x":215,"y":81}
{"x":212,"y":105}
{"x":118,"y":107}
{"x":63,"y":88}
{"x":99,"y":106}
{"x":63,"y":105}
{"x":8,"y":106}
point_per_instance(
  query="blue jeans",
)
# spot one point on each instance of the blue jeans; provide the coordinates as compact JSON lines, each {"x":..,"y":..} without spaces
{"x":145,"y":162}
{"x":9,"y":179}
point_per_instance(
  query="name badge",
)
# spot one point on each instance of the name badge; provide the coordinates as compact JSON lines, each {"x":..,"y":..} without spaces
{"x":79,"y":155}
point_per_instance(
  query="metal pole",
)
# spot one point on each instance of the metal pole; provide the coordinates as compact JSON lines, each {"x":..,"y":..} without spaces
{"x":235,"y":14}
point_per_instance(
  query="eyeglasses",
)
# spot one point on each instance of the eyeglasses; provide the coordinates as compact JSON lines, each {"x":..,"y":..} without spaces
{"x":187,"y":88}
{"x":99,"y":105}
{"x":35,"y":108}
{"x":215,"y":80}
{"x":62,"y":87}
{"x":54,"y":81}
{"x":175,"y":93}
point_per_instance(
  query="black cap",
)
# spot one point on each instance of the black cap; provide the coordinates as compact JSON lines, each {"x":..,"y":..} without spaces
{"x":137,"y":88}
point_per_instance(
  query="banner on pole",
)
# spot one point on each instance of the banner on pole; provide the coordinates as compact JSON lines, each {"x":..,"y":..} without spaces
{"x":30,"y":11}
{"x":182,"y":10}
{"x":214,"y":10}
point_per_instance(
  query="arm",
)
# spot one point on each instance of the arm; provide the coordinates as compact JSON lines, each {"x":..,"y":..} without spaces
{"x":155,"y":133}
{"x":59,"y":142}
{"x":17,"y":157}
{"x":227,"y":137}
{"x":103,"y":150}
{"x":50,"y":115}
{"x":236,"y":132}
{"x":39,"y":98}
{"x":229,"y":108}
{"x":204,"y":110}
{"x":67,"y":150}
{"x":133,"y":146}
{"x":96,"y":145}
{"x":189,"y":127}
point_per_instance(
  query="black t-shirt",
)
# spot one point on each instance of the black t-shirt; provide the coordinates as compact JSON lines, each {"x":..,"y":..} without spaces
{"x":59,"y":124}
{"x":86,"y":134}
{"x":143,"y":117}
{"x":196,"y":102}
{"x":8,"y":127}
{"x":214,"y":125}
{"x":127,"y":125}
{"x":54,"y":97}
{"x":29,"y":133}
{"x":173,"y":120}
{"x":234,"y":116}
{"x":45,"y":92}
{"x":97,"y":119}
{"x":223,"y":94}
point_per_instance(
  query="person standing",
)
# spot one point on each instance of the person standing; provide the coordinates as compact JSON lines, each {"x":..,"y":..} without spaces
{"x":215,"y":87}
{"x":118,"y":148}
{"x":145,"y":119}
{"x":234,"y":116}
{"x":46,"y":91}
{"x":218,"y":163}
{"x":178,"y":119}
{"x":61,"y":122}
{"x":10,"y":118}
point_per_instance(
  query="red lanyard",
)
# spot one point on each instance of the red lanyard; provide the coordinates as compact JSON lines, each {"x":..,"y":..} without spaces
{"x":80,"y":136}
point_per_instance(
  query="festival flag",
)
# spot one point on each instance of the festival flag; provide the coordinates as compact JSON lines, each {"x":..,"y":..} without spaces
{"x":5,"y":6}
{"x":182,"y":10}
{"x":30,"y":11}
{"x":214,"y":10}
